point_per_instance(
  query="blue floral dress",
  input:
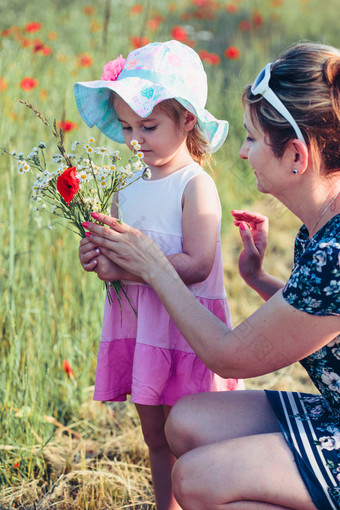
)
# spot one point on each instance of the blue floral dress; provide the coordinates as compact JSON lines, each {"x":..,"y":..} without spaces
{"x":311,"y":423}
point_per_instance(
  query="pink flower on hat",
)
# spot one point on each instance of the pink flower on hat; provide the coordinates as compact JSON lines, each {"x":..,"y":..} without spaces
{"x":113,"y":69}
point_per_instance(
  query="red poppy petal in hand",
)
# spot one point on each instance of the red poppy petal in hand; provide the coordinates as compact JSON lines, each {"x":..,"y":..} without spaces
{"x":68,"y":184}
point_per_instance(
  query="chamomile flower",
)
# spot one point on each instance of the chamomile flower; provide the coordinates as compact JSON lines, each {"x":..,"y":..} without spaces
{"x":74,"y":145}
{"x":114,"y":155}
{"x":140,"y":154}
{"x":88,"y":148}
{"x":103,"y":183}
{"x":91,"y":139}
{"x":83,"y":176}
{"x":56,"y":158}
{"x":20,"y":169}
{"x":128,"y":173}
{"x":102,"y":177}
{"x":137,"y":165}
{"x":100,"y":150}
{"x":22,"y":166}
{"x":134,"y":143}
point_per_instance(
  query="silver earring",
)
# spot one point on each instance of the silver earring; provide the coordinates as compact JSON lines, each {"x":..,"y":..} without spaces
{"x":295,"y":171}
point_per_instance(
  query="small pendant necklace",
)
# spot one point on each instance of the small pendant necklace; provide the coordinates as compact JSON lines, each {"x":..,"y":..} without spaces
{"x":324,"y":211}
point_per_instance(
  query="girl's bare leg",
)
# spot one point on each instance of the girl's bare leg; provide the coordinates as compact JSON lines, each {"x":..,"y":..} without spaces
{"x":161,"y":457}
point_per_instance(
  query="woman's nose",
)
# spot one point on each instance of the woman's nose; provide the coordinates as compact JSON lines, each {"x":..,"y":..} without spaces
{"x":243,"y":152}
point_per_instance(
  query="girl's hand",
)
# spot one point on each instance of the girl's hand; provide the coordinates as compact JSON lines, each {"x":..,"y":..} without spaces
{"x":253,"y":229}
{"x":93,"y":261}
{"x":88,"y":254}
{"x":127,"y":247}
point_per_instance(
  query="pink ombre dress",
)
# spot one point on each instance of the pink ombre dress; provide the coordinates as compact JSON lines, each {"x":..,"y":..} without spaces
{"x":146,"y":356}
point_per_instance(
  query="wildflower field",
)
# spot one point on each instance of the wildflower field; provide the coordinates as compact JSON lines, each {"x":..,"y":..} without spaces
{"x":58,"y":448}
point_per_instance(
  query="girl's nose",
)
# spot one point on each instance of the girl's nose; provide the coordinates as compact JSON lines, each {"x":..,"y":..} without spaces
{"x":243,"y":152}
{"x":138,"y":135}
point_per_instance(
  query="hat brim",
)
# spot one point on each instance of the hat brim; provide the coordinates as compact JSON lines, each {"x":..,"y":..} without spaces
{"x":93,"y":103}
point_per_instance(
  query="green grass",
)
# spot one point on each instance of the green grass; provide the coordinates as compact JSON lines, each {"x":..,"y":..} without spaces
{"x":57,"y":446}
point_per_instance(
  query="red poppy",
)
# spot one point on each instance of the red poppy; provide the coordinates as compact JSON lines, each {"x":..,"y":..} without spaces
{"x":89,"y":10}
{"x":34,"y":26}
{"x":67,"y":125}
{"x":25,"y":43}
{"x":84,"y":60}
{"x":245,"y":25}
{"x":28,"y":83}
{"x":179,"y":33}
{"x":67,"y":369}
{"x":154,"y":23}
{"x":136,"y":9}
{"x":138,"y":42}
{"x":3,"y":85}
{"x":204,"y":14}
{"x":38,"y":46}
{"x":233,"y":53}
{"x":211,"y":58}
{"x":6,"y":32}
{"x":257,"y":19}
{"x":46,"y":51}
{"x":68,"y":186}
{"x":16,"y":465}
{"x":231,"y":8}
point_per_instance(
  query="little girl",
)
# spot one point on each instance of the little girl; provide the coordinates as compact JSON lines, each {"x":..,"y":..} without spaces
{"x":157,"y":96}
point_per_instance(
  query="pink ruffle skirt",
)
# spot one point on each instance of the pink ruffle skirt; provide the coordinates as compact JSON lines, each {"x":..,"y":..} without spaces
{"x":147,"y":357}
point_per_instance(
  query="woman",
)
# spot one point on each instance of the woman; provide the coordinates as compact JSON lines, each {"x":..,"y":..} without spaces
{"x":259,"y":449}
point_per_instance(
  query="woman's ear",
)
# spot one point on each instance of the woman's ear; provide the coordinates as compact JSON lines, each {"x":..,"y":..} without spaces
{"x":300,"y":155}
{"x":189,"y":120}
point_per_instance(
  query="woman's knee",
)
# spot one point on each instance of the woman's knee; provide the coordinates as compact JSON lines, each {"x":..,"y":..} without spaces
{"x":187,"y":490}
{"x":179,"y":427}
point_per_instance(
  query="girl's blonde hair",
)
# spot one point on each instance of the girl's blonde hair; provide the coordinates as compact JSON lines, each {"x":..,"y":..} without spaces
{"x":306,"y":78}
{"x":196,"y":142}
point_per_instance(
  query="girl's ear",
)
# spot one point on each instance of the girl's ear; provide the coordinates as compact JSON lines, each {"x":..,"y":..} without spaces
{"x":189,"y":120}
{"x":300,"y":155}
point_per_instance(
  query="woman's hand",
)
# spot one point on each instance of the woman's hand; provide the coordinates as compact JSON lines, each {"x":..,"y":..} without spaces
{"x":254,"y":234}
{"x":253,"y":229}
{"x":125,"y":246}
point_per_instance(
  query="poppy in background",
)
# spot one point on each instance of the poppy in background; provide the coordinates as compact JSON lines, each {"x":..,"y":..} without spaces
{"x":179,"y":33}
{"x":67,"y":369}
{"x":32,"y":27}
{"x":28,"y":83}
{"x":67,"y":125}
{"x":232,"y":52}
{"x":84,"y":60}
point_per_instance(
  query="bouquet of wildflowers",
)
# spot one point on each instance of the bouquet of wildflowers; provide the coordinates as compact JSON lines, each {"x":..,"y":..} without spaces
{"x":75,"y":184}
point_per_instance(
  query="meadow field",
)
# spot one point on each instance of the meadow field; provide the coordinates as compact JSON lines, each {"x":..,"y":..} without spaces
{"x":58,"y":448}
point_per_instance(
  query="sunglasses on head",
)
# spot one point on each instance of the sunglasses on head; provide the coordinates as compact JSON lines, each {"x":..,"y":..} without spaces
{"x":261,"y":86}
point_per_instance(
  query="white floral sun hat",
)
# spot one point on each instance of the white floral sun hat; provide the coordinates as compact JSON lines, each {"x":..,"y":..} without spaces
{"x":149,"y":75}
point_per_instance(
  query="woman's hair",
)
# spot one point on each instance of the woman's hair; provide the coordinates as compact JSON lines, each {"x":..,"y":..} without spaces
{"x":306,"y":78}
{"x":196,"y":142}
